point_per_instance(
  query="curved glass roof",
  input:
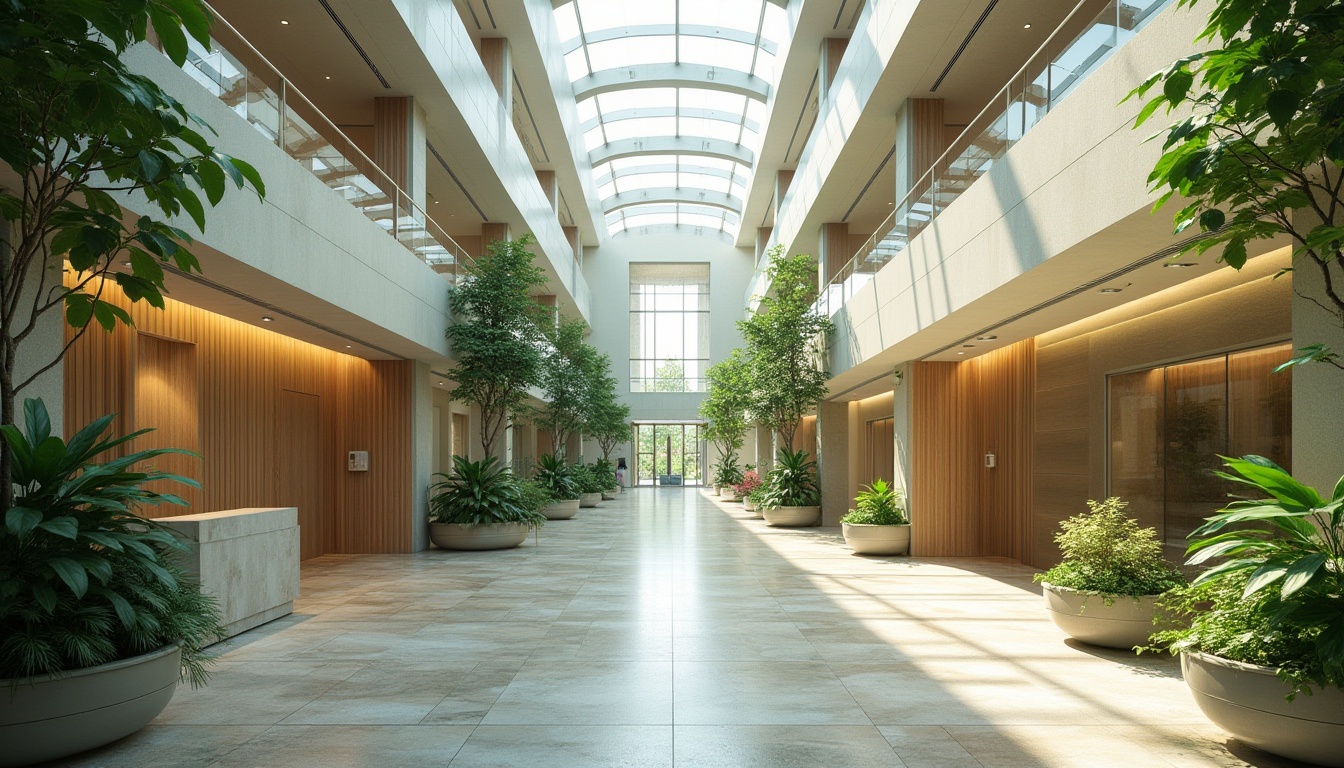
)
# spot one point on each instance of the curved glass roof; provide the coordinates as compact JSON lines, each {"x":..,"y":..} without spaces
{"x":672,"y":98}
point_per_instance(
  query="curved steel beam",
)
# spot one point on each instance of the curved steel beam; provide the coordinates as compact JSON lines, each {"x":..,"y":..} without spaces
{"x":644,"y":208}
{"x":660,"y":30}
{"x":693,"y":112}
{"x":684,"y":195}
{"x":676,"y":229}
{"x":671,"y":145}
{"x":702,"y":170}
{"x":672,"y":76}
{"x":781,"y":3}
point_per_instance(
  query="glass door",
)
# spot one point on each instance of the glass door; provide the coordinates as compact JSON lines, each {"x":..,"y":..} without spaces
{"x":669,"y":455}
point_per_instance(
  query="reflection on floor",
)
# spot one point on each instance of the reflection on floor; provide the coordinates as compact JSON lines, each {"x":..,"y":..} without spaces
{"x":670,"y":628}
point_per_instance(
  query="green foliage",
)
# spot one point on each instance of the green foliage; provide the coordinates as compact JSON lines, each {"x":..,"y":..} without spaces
{"x":605,"y":417}
{"x":533,"y":496}
{"x":497,"y":334}
{"x":605,"y":473}
{"x":727,"y":471}
{"x":556,"y":477}
{"x":83,"y":579}
{"x":81,"y":132}
{"x":757,"y":496}
{"x":1256,"y":150}
{"x":793,"y":481}
{"x":1106,"y":551}
{"x":566,"y":379}
{"x":586,"y":480}
{"x":726,"y":404}
{"x":478,"y":493}
{"x":670,"y":376}
{"x":1285,"y":549}
{"x":879,"y":504}
{"x":784,"y":339}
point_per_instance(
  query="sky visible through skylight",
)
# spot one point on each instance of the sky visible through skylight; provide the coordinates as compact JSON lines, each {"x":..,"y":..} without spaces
{"x":699,"y":177}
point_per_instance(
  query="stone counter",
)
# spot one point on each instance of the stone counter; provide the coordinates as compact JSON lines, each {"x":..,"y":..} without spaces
{"x":248,"y":559}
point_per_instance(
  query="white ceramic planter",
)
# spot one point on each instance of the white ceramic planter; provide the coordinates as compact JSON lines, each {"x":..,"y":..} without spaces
{"x":1248,"y":702}
{"x":561,"y":510}
{"x":1125,"y":623}
{"x":589,"y":499}
{"x":50,"y":718}
{"x":792,"y":517}
{"x":718,"y":490}
{"x":877,"y":539}
{"x":609,"y":495}
{"x":749,"y":505}
{"x":473,"y":538}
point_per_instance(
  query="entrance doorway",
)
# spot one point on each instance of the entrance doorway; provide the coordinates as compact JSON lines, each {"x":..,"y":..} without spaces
{"x":669,"y":454}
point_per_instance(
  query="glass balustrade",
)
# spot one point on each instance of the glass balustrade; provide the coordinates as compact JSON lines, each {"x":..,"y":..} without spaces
{"x":246,"y":83}
{"x":1048,"y":77}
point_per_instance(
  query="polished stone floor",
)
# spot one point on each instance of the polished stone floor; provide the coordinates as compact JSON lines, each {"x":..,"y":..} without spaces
{"x":669,"y":628}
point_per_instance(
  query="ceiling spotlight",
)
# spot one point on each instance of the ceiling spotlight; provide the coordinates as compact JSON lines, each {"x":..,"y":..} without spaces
{"x":1109,"y":290}
{"x":347,"y":346}
{"x":328,"y":77}
{"x":1178,"y":265}
{"x":284,"y":23}
{"x":961,"y":353}
{"x":989,"y":337}
{"x":125,"y":263}
{"x":1026,"y":26}
{"x":267,"y":319}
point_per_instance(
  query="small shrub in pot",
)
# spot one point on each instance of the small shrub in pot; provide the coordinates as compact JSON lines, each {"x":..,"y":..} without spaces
{"x":877,"y":525}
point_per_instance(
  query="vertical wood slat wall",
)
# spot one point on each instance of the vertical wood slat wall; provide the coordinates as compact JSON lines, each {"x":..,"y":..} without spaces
{"x":961,"y":411}
{"x":242,"y":369}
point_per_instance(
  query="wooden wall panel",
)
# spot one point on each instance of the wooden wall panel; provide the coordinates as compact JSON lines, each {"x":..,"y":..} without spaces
{"x":242,"y":372}
{"x":962,"y":411}
{"x":167,"y":400}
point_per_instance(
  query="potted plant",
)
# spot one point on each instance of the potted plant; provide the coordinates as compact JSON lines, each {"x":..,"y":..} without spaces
{"x":742,"y":490}
{"x":877,"y":525}
{"x":727,"y":473}
{"x":793,"y":499}
{"x":606,"y":475}
{"x":97,"y":621}
{"x":557,"y":478}
{"x":756,"y":500}
{"x":724,"y":409}
{"x":1105,"y":590}
{"x":479,"y":506}
{"x":1261,"y":634}
{"x":588,"y":484}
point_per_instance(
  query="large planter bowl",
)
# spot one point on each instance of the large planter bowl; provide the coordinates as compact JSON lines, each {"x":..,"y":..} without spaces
{"x":562,"y":509}
{"x":748,"y":505}
{"x":1124,"y":623}
{"x":792,"y":517}
{"x":609,"y":495}
{"x":474,"y":538}
{"x":589,"y":499}
{"x":50,"y":718}
{"x":877,"y":539}
{"x":1248,"y":702}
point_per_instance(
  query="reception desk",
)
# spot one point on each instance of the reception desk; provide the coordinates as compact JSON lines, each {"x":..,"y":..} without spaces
{"x":248,"y":559}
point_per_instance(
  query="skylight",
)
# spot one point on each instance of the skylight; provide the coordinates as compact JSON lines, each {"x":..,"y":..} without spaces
{"x":672,"y":98}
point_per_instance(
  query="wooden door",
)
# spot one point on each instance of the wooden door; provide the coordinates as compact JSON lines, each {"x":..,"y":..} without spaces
{"x":298,"y":466}
{"x":167,"y":400}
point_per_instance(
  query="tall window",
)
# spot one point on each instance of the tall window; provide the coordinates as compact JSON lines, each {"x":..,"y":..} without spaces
{"x":1169,"y":424}
{"x":669,"y":327}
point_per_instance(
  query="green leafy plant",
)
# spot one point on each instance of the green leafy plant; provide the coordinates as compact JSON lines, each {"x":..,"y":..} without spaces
{"x":726,"y":471}
{"x":533,"y":496}
{"x":605,"y":418}
{"x":757,"y":497}
{"x":1282,"y":574}
{"x":479,"y":493}
{"x":605,"y":473}
{"x":793,"y":481}
{"x":83,"y":579}
{"x":1105,"y":551}
{"x":586,"y":480}
{"x":497,"y":335}
{"x":81,"y":133}
{"x":783,"y":339}
{"x":566,"y":380}
{"x":879,"y":504}
{"x":556,"y":477}
{"x":1257,"y":148}
{"x":726,"y":403}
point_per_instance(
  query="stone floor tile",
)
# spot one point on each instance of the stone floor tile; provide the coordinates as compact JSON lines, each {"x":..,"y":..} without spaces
{"x":567,"y":746}
{"x":780,"y":746}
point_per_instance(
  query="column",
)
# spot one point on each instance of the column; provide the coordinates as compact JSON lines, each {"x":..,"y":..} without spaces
{"x":902,"y":413}
{"x":920,"y":140}
{"x":1318,"y":421}
{"x":765,"y":448}
{"x":490,"y":232}
{"x":550,"y":187}
{"x":399,"y":143}
{"x":43,"y":345}
{"x":783,"y":178}
{"x":832,"y":252}
{"x":762,"y":240}
{"x":833,"y":460}
{"x":498,"y":61}
{"x":832,"y":50}
{"x":423,"y":430}
{"x":575,"y":238}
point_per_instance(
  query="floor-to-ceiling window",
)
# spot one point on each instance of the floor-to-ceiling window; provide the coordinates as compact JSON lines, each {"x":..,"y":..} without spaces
{"x":1168,"y":425}
{"x":669,"y":327}
{"x":669,"y":454}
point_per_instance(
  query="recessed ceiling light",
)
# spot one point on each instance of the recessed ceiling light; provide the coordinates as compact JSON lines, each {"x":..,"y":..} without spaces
{"x":125,"y":263}
{"x":961,"y":353}
{"x":267,"y":319}
{"x":347,"y":346}
{"x":1178,"y":265}
{"x":987,"y":337}
{"x":1026,"y":26}
{"x":284,"y":23}
{"x":1110,"y":290}
{"x":328,"y":77}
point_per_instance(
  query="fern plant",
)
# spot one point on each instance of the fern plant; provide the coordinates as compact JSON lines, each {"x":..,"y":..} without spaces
{"x":727,"y":472}
{"x":83,"y":579}
{"x":479,"y":493}
{"x":793,"y":481}
{"x":556,"y":477}
{"x":879,"y":504}
{"x":1106,"y":551}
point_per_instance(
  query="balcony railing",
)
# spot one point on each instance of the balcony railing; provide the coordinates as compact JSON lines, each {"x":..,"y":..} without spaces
{"x":238,"y":75}
{"x":1056,"y":68}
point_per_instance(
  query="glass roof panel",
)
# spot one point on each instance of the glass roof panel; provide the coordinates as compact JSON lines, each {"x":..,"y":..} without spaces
{"x":715,"y":53}
{"x":628,"y":52}
{"x":565,"y":22}
{"x":643,"y":126}
{"x":738,"y":14}
{"x":637,"y":98}
{"x":614,"y":14}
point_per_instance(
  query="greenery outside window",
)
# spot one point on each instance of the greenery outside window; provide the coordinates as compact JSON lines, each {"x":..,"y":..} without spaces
{"x":669,"y":327}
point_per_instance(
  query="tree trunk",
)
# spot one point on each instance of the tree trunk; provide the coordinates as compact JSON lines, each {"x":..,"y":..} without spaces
{"x":7,"y":416}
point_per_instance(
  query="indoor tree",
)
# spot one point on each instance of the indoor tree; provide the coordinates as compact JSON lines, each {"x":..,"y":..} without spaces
{"x":784,"y":343}
{"x":1256,"y":150}
{"x":82,"y":133}
{"x":606,"y":418}
{"x":565,"y":369}
{"x":726,"y":403}
{"x":497,"y":335}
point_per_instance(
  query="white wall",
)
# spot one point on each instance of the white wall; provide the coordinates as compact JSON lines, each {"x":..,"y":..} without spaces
{"x":607,"y":268}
